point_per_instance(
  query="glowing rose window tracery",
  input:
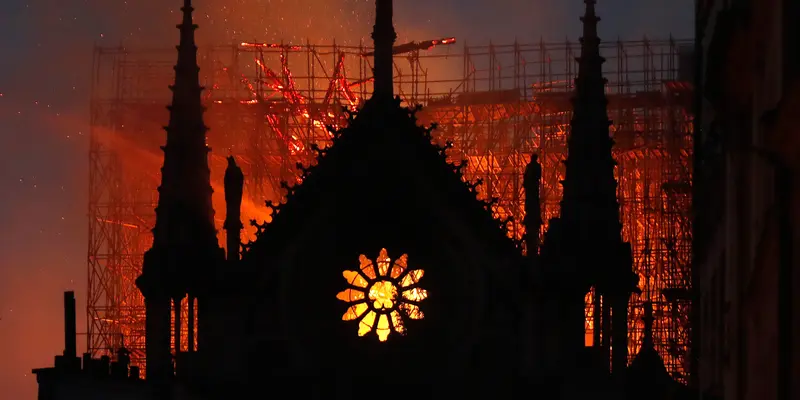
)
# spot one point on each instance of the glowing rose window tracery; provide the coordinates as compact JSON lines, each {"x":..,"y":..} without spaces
{"x":382,"y":295}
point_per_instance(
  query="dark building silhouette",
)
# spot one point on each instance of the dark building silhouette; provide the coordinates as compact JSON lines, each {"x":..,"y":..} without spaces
{"x":590,"y":222}
{"x":747,"y":212}
{"x":185,"y":255}
{"x":433,"y":297}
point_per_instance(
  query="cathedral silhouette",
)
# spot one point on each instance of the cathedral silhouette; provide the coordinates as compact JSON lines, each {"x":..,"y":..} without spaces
{"x":382,"y":274}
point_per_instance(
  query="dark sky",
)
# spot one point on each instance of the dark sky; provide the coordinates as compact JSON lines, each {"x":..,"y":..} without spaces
{"x":44,"y":96}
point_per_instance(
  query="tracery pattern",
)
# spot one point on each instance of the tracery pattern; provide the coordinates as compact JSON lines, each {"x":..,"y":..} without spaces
{"x":383,"y":295}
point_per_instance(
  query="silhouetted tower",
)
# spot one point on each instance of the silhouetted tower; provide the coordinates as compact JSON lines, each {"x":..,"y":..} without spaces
{"x":234,"y":187}
{"x":588,"y":250}
{"x":185,"y":249}
{"x":533,"y":209}
{"x":384,"y":36}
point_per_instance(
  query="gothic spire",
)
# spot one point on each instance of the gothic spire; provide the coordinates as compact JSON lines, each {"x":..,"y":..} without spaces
{"x":590,"y":20}
{"x":589,"y":177}
{"x":186,"y":178}
{"x":384,"y":36}
{"x":185,"y":248}
{"x":590,"y":216}
{"x":184,"y":215}
{"x":186,"y":101}
{"x":590,"y":71}
{"x":589,"y":205}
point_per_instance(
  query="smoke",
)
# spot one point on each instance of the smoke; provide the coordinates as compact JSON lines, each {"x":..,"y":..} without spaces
{"x":43,"y":241}
{"x":146,"y":162}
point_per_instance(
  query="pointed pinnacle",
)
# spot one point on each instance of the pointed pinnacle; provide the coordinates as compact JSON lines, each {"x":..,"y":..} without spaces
{"x":590,"y":21}
{"x":590,"y":7}
{"x":186,"y":90}
{"x":187,"y":12}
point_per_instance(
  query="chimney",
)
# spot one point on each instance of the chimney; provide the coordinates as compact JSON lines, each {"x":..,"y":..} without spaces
{"x":70,"y":331}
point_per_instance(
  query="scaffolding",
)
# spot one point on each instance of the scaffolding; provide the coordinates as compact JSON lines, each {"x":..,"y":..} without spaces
{"x":268,"y":103}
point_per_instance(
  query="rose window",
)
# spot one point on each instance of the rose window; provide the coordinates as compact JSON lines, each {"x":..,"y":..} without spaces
{"x":382,"y":295}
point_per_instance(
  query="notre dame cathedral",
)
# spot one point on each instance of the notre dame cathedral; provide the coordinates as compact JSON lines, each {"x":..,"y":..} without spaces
{"x":382,"y":274}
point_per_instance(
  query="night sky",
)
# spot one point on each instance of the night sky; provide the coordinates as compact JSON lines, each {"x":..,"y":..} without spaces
{"x":44,"y":100}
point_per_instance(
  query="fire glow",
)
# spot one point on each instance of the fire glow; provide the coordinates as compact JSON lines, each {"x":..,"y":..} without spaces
{"x":271,"y":112}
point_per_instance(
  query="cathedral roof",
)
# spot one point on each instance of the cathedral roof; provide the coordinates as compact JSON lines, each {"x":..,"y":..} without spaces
{"x":383,"y":165}
{"x":382,"y":147}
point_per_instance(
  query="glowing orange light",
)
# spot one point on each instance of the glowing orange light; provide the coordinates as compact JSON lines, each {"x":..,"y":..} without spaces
{"x":374,"y":295}
{"x":450,"y":40}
